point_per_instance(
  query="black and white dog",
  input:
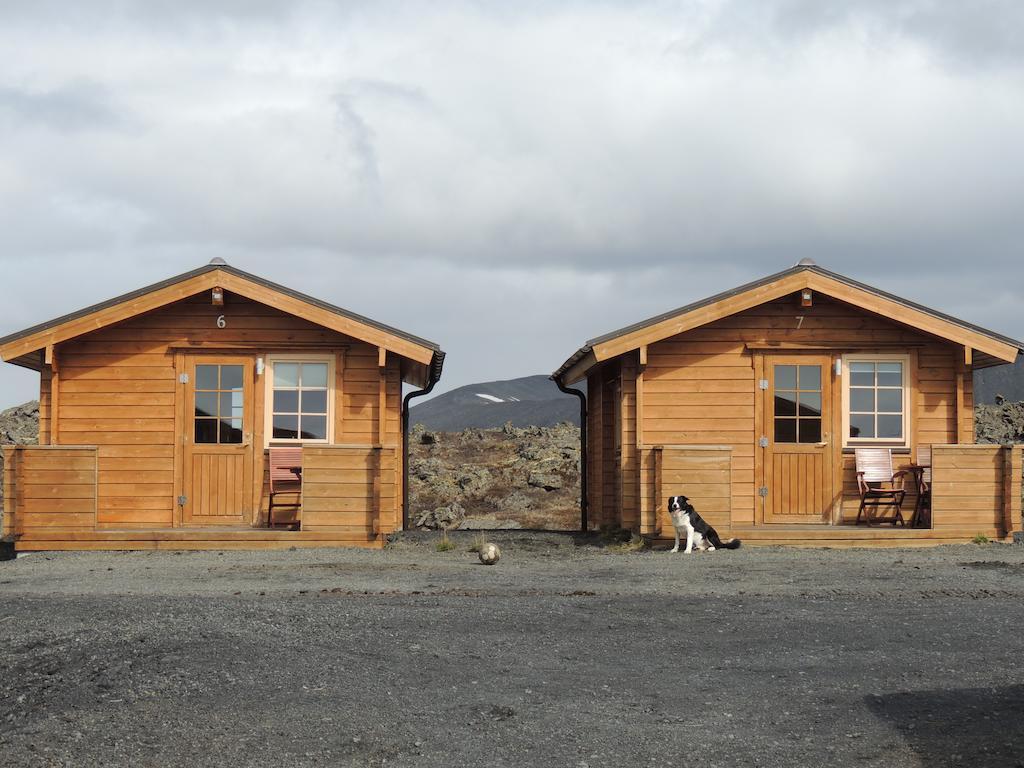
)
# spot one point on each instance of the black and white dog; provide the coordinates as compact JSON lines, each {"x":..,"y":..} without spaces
{"x":698,"y":531}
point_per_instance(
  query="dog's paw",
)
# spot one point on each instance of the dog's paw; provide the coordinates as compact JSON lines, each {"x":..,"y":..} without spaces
{"x":676,"y":549}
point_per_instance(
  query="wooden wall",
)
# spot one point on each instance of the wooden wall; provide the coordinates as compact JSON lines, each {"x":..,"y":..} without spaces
{"x":49,"y":488}
{"x":976,"y":486}
{"x":117,"y":389}
{"x":702,"y":473}
{"x":700,"y":388}
{"x":348,"y":489}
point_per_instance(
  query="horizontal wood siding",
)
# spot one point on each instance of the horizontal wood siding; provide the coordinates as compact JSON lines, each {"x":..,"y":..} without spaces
{"x":348,"y":489}
{"x":703,"y":474}
{"x":968,"y":487}
{"x":700,"y":386}
{"x":50,"y":488}
{"x":118,"y":391}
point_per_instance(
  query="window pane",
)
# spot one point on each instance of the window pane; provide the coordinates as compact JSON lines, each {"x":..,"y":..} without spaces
{"x":225,"y":404}
{"x":206,"y":377}
{"x":231,"y":377}
{"x":785,"y":430}
{"x":314,"y":401}
{"x":890,"y":401}
{"x":314,"y":374}
{"x":206,"y":403}
{"x":206,"y":431}
{"x":785,"y":403}
{"x":810,"y":430}
{"x":890,"y":427}
{"x":890,"y":374}
{"x":862,"y":400}
{"x":230,"y":431}
{"x":785,"y":377}
{"x":862,"y":425}
{"x":810,"y":377}
{"x":862,"y":374}
{"x":286,"y":427}
{"x":314,"y":427}
{"x":286,"y":374}
{"x":286,"y":401}
{"x":810,"y":404}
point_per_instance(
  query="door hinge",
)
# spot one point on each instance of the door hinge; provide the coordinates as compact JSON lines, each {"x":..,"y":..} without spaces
{"x":183,"y":378}
{"x":763,"y":491}
{"x":763,"y":384}
{"x":763,"y":441}
{"x":182,"y":501}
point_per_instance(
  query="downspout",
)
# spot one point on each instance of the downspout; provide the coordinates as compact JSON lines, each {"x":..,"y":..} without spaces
{"x":433,"y":376}
{"x":583,"y":449}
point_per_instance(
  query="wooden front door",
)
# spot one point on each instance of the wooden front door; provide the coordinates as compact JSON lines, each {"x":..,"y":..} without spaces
{"x":797,"y":457}
{"x":218,"y":451}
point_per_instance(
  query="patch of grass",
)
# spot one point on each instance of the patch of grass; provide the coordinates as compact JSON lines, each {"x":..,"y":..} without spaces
{"x":478,"y":543}
{"x":634,"y":543}
{"x":445,"y":544}
{"x":980,"y":539}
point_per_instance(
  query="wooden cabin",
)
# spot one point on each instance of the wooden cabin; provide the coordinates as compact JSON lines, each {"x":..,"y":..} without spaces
{"x":158,"y":410}
{"x":752,"y":403}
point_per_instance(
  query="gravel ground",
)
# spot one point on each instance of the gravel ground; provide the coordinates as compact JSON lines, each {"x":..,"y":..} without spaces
{"x":564,"y":654}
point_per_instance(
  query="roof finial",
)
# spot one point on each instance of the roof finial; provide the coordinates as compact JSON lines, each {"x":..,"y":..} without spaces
{"x":217,"y":261}
{"x":807,"y":262}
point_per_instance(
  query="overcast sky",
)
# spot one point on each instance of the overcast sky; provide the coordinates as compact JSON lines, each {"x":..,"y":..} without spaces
{"x":510,"y":179}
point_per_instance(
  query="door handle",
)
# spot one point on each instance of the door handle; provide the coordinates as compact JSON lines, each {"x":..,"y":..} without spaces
{"x":821,"y":445}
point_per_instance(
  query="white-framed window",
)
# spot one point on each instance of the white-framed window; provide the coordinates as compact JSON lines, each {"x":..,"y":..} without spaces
{"x":876,"y":400}
{"x":300,"y":399}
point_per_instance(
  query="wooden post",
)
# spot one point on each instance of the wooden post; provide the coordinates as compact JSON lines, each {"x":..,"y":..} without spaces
{"x":382,"y":406}
{"x":179,"y":440}
{"x":54,"y":363}
{"x":376,"y":464}
{"x":339,"y":396}
{"x":1013,"y":462}
{"x":10,"y":457}
{"x":659,"y":498}
{"x":595,"y":451}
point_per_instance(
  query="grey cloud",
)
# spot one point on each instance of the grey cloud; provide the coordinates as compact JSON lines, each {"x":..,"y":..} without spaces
{"x":70,"y":108}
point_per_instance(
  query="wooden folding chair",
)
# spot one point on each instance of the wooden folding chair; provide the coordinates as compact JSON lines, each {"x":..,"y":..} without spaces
{"x":874,"y":471}
{"x":285,"y":475}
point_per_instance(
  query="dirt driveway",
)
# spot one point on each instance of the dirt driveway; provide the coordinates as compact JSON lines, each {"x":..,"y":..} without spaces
{"x":561,"y":655}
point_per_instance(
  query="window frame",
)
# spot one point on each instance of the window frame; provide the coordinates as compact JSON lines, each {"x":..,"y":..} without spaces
{"x":268,"y":415}
{"x":856,"y":442}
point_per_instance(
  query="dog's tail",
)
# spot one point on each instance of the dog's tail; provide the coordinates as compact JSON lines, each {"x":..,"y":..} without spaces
{"x":731,"y":544}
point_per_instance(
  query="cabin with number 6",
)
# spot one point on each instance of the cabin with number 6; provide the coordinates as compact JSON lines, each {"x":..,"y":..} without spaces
{"x":804,"y":408}
{"x":213,"y":410}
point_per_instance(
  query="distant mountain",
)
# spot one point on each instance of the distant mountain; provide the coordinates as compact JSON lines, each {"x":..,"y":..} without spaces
{"x":1005,"y":380}
{"x":532,"y":401}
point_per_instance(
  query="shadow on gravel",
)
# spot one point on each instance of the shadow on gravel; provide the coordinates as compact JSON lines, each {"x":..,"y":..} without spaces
{"x":979,"y":727}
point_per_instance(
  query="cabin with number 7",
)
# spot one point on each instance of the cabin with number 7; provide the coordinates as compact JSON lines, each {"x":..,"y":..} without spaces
{"x":804,"y":408}
{"x":213,"y":410}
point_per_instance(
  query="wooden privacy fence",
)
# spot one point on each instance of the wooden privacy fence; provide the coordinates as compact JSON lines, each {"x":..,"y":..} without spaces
{"x":977,"y":485}
{"x":49,"y":487}
{"x":703,"y":473}
{"x":349,"y":488}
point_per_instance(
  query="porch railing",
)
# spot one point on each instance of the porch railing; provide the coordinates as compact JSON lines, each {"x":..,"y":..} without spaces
{"x":977,"y":487}
{"x":49,"y":487}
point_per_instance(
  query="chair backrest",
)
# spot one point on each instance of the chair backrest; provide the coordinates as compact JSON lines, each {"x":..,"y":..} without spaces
{"x":282,"y":462}
{"x":875,"y":463}
{"x":924,"y":458}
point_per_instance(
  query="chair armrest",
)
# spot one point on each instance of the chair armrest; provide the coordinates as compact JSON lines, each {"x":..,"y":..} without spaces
{"x":897,"y":478}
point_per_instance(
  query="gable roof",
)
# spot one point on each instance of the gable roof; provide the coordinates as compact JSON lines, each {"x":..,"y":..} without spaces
{"x":995,"y":348}
{"x":219,"y":273}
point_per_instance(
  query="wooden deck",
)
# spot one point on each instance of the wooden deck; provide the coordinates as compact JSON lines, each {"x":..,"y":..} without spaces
{"x":851,"y":536}
{"x":194,"y":538}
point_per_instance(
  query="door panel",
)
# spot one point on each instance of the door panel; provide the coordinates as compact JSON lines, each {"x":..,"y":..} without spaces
{"x":797,"y":459}
{"x":218,"y":451}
